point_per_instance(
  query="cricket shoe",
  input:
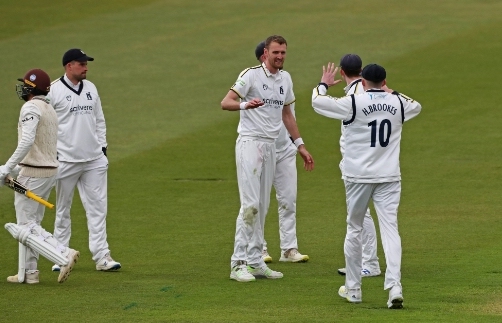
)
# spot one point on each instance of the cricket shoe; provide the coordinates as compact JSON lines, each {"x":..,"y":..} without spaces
{"x":395,"y":297}
{"x":240,"y":273}
{"x":107,"y":264}
{"x":64,"y":271}
{"x":352,"y":295}
{"x":365,"y":272}
{"x":264,"y":272}
{"x":266,"y":257}
{"x":56,"y":268}
{"x":31,"y":278}
{"x":292,"y":255}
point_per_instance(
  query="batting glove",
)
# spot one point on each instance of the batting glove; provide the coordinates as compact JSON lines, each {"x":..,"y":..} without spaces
{"x":15,"y":171}
{"x":4,"y":171}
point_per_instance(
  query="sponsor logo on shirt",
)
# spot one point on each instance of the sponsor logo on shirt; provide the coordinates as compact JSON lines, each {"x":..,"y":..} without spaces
{"x":68,"y":98}
{"x":27,"y":119}
{"x":81,"y":109}
{"x":281,"y":90}
{"x":240,"y":82}
{"x":265,"y":87}
{"x":375,"y":96}
{"x":275,"y":104}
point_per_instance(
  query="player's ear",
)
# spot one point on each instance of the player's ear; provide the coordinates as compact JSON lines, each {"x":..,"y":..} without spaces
{"x":384,"y":82}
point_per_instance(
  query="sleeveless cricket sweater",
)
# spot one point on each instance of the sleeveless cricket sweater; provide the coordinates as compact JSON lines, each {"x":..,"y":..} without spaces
{"x":41,"y":160}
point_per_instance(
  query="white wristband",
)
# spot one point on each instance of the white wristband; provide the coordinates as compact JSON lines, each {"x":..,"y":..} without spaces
{"x":243,"y":105}
{"x":298,"y":142}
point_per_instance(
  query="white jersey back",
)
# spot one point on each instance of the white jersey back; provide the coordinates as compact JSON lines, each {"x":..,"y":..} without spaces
{"x":82,"y":129}
{"x":373,"y":121}
{"x":275,"y":90}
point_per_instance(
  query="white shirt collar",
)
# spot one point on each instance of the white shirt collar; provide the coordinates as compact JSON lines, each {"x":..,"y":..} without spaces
{"x":268,"y":73}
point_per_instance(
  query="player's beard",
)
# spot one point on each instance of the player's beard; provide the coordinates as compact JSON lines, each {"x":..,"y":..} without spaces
{"x":278,"y":63}
{"x":81,"y":77}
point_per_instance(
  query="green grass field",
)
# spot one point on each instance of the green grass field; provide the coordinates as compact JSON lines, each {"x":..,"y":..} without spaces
{"x":162,"y":68}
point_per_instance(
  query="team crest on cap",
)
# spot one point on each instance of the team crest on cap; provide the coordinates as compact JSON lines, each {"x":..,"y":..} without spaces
{"x":33,"y":77}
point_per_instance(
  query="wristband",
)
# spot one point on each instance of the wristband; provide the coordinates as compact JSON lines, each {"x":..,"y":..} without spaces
{"x":242,"y":106}
{"x":326,"y":85}
{"x":298,"y":142}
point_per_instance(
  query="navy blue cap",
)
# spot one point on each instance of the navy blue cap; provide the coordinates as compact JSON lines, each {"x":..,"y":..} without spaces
{"x":75,"y":54}
{"x":260,"y":49}
{"x":351,"y":63}
{"x":374,"y":73}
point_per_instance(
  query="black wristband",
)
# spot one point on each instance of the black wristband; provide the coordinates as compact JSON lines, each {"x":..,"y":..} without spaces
{"x":326,"y":85}
{"x":104,"y":150}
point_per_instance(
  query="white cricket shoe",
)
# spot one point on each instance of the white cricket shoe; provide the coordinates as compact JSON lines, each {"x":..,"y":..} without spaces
{"x":352,"y":295}
{"x":56,"y":268}
{"x":28,"y":278}
{"x":107,"y":264}
{"x":240,"y":273}
{"x":395,"y":297}
{"x":266,"y":257}
{"x":264,"y":272}
{"x":65,"y":271}
{"x":365,"y":272}
{"x":292,"y":255}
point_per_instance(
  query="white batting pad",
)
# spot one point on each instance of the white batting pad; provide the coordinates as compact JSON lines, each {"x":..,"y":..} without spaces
{"x":22,"y":260}
{"x":35,"y":237}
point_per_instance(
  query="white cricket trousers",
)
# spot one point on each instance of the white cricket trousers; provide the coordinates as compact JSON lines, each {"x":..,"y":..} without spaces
{"x":369,"y":240}
{"x":285,"y":184}
{"x":255,"y":160}
{"x":91,"y":180}
{"x":386,"y":197}
{"x":29,"y":210}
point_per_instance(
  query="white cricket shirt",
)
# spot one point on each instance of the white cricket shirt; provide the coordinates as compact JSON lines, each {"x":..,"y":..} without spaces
{"x":275,"y":90}
{"x":355,"y":87}
{"x":373,"y":121}
{"x":82,"y":128}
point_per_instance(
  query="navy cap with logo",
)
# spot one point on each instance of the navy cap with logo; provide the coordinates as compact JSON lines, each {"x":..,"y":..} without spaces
{"x":75,"y":54}
{"x":260,"y":49}
{"x":351,"y":63}
{"x":374,"y":73}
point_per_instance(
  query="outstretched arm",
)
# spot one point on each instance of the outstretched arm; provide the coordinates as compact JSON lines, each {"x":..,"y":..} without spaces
{"x":231,"y":102}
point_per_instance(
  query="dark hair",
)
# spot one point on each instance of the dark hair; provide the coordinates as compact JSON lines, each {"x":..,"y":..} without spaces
{"x":275,"y":38}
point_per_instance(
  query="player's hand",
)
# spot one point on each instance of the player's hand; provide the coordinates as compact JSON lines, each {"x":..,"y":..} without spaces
{"x":386,"y":89}
{"x":4,"y":171}
{"x":308,"y":161}
{"x":15,"y":171}
{"x":254,"y":103}
{"x":329,"y":73}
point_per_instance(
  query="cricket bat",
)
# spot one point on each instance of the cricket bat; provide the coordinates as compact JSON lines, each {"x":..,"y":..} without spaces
{"x":21,"y":189}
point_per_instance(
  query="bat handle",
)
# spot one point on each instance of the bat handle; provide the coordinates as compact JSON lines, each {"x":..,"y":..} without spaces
{"x":39,"y":200}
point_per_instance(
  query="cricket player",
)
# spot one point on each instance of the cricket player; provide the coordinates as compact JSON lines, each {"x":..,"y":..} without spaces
{"x":285,"y":184}
{"x":370,"y":170}
{"x":34,"y":163}
{"x":82,"y":156}
{"x":350,"y":70}
{"x":262,"y":94}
